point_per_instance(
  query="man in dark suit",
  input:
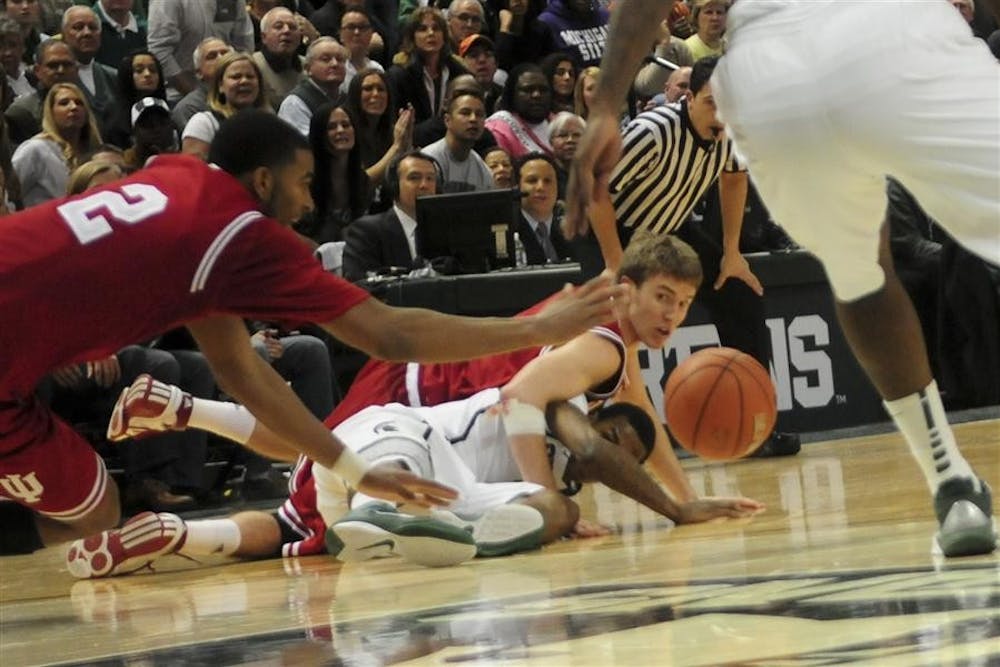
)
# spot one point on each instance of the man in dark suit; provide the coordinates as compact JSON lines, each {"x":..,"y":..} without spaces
{"x":537,"y":227}
{"x":81,"y":30}
{"x":388,"y":239}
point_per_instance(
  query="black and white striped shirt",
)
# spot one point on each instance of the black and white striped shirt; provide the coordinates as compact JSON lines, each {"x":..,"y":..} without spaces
{"x":665,"y":169}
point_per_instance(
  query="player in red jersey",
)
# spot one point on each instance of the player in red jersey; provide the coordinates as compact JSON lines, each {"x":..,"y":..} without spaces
{"x":664,"y":273}
{"x":181,"y":242}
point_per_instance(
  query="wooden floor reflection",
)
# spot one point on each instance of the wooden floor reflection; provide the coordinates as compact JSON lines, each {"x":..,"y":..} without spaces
{"x":838,"y":571}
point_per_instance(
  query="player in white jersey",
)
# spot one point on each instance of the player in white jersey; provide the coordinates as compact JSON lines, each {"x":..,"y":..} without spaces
{"x":921,"y":104}
{"x":463,"y":442}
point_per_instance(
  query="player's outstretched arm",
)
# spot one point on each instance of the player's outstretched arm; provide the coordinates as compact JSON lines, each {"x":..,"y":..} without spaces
{"x":601,"y":461}
{"x":602,"y":218}
{"x":634,"y":26}
{"x":416,"y":334}
{"x":242,"y":374}
{"x":570,"y":370}
{"x":662,"y":461}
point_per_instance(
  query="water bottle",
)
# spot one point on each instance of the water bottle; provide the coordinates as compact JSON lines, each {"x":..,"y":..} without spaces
{"x":520,"y":257}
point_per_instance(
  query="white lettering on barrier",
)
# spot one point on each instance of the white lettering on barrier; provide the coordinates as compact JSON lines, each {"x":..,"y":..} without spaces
{"x":801,"y":367}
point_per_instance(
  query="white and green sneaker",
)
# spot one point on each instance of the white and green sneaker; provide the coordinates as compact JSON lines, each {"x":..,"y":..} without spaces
{"x":376,"y":530}
{"x":965,"y":516}
{"x":501,"y":530}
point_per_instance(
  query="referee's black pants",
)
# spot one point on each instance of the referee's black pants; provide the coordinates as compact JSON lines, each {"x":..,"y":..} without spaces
{"x":736,"y":311}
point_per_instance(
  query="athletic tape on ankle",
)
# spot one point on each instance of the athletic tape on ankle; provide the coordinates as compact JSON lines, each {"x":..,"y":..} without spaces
{"x":350,"y":467}
{"x":522,"y":418}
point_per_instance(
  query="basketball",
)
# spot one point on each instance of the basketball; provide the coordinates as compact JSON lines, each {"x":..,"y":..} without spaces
{"x":720,"y":404}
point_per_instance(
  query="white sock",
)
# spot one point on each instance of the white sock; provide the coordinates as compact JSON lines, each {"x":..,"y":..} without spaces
{"x":222,"y":418}
{"x":921,"y":419}
{"x":211,"y":536}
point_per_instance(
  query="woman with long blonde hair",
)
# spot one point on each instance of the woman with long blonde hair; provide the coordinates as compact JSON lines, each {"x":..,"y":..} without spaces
{"x":237,"y":85}
{"x":69,"y":132}
{"x":583,"y":93}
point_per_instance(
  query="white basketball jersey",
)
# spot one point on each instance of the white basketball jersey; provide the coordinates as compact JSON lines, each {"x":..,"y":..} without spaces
{"x":478,"y":436}
{"x":470,"y":427}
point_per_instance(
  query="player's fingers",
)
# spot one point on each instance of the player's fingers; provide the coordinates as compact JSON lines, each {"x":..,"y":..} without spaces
{"x":739,"y":509}
{"x":399,"y":493}
{"x":438,"y":501}
{"x":599,"y":287}
{"x":429,"y":487}
{"x":750,"y":504}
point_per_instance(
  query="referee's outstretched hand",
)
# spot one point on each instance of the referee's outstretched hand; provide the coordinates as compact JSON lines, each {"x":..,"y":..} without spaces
{"x":596,"y":155}
{"x":735,"y":265}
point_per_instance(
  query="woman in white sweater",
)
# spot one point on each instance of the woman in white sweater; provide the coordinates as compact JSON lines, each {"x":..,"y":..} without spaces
{"x":69,"y":133}
{"x":236,"y":86}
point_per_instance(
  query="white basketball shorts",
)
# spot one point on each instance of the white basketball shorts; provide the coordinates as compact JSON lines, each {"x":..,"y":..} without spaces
{"x":825,"y":98}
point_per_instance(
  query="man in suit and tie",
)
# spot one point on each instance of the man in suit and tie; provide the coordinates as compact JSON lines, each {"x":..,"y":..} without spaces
{"x":388,"y":239}
{"x":537,"y":226}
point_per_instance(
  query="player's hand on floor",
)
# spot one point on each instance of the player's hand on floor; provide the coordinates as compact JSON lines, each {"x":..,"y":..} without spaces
{"x":586,"y":528}
{"x":401,"y":486}
{"x":705,"y":509}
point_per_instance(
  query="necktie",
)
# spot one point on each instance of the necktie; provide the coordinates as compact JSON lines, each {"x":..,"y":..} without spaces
{"x":542,"y":230}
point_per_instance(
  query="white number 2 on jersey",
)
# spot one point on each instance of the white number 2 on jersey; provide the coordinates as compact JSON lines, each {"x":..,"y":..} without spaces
{"x":86,"y":217}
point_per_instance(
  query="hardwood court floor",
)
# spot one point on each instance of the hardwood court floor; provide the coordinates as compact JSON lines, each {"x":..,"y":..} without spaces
{"x":838,"y":571}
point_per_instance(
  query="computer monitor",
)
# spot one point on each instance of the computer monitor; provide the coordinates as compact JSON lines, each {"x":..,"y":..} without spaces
{"x":468,"y":232}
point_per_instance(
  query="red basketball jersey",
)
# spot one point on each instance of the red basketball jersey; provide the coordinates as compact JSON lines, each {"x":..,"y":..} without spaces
{"x":177,"y":241}
{"x":381,"y":382}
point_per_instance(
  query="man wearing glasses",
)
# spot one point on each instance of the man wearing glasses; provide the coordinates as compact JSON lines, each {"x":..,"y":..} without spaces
{"x":465,"y":18}
{"x":356,"y":36}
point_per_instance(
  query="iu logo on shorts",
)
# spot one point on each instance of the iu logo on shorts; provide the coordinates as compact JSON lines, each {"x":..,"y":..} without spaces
{"x":25,"y":488}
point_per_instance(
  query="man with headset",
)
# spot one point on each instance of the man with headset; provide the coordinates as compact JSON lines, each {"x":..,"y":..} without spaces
{"x":388,"y":239}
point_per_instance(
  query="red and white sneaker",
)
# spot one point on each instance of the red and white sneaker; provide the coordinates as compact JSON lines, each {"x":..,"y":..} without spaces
{"x":141,"y":540}
{"x":147,"y":407}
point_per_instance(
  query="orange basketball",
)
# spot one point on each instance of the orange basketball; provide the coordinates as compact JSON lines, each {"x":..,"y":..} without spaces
{"x":720,"y":404}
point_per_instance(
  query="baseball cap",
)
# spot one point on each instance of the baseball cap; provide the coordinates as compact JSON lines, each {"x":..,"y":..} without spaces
{"x":472,"y":40}
{"x":145,"y":104}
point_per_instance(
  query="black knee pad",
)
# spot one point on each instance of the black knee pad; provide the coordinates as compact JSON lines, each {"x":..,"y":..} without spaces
{"x":18,"y":530}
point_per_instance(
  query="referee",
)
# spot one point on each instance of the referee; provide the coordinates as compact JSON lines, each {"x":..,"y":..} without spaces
{"x":672,"y":156}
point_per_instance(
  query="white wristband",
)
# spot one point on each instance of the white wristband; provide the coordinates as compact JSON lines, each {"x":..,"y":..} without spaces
{"x":350,"y":467}
{"x":523,"y":418}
